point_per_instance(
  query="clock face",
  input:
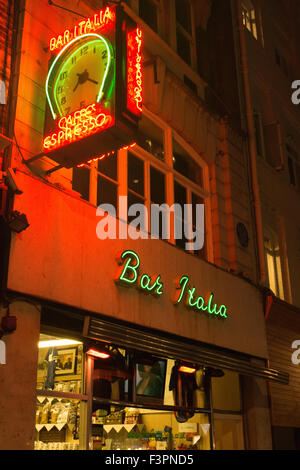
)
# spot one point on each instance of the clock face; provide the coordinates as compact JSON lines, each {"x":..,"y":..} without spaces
{"x":79,"y":75}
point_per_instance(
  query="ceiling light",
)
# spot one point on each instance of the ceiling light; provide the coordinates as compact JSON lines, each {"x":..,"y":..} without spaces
{"x":58,"y":342}
{"x":99,"y":354}
{"x":187,"y":370}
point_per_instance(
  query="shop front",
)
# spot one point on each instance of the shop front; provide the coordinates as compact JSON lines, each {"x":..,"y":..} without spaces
{"x":141,"y":346}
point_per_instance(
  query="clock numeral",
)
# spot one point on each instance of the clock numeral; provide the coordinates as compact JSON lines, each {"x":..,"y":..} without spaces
{"x":59,"y":90}
{"x":104,"y":54}
{"x":74,"y":59}
{"x":84,"y":50}
{"x":82,"y":104}
{"x":63,"y":75}
{"x":63,"y":100}
{"x":67,"y":110}
{"x":94,"y":50}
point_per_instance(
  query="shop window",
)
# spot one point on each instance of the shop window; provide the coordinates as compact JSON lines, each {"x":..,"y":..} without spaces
{"x":107,"y":186}
{"x":151,"y":138}
{"x":148,"y":13}
{"x":184,"y":30}
{"x":59,"y":393}
{"x":81,"y":182}
{"x":249,"y":17}
{"x":273,"y":263}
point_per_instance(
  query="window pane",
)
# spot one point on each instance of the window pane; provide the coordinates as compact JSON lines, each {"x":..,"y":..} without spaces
{"x":133,"y":199}
{"x":135,"y":174}
{"x":151,"y":138}
{"x":107,"y":192}
{"x":291,"y":171}
{"x":81,"y":182}
{"x":183,"y":47}
{"x":183,"y":14}
{"x":148,"y":13}
{"x":157,"y":186}
{"x":198,"y":200}
{"x":109,"y":166}
{"x":185,"y":165}
{"x":180,"y":197}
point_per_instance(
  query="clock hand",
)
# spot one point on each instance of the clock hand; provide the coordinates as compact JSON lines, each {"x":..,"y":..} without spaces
{"x":93,"y":81}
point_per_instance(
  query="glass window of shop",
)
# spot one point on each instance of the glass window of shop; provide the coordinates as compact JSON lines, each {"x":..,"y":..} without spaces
{"x":60,"y":398}
{"x":140,"y":405}
{"x":227,"y":412}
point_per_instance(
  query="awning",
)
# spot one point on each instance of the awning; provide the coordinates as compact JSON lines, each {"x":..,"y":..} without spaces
{"x":167,"y":346}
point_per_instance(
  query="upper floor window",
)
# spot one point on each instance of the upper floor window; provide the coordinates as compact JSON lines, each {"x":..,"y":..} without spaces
{"x":249,"y":17}
{"x":293,"y":167}
{"x":184,"y":33}
{"x":148,"y":11}
{"x":273,"y":263}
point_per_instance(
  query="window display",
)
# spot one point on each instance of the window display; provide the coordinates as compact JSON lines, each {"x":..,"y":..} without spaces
{"x":60,"y":371}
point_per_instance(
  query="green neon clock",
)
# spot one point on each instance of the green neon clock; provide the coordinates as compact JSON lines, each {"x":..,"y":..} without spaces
{"x":93,"y":88}
{"x":79,"y":75}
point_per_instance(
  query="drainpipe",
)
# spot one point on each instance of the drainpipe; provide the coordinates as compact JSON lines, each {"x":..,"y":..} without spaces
{"x":252,"y":144}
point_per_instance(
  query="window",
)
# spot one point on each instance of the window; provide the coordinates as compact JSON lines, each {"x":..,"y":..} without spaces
{"x":282,"y":62}
{"x":184,"y":34}
{"x":293,"y":167}
{"x":249,"y":17}
{"x":81,"y":182}
{"x":258,"y":134}
{"x":60,"y":399}
{"x":185,"y":165}
{"x":107,"y":187}
{"x":148,"y":13}
{"x":151,"y":138}
{"x":273,"y":263}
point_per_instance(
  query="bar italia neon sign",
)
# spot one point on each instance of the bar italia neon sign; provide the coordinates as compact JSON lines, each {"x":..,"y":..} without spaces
{"x":128,"y":275}
{"x":94,"y":88}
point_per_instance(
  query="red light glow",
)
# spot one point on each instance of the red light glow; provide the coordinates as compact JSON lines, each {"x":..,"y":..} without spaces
{"x":93,"y":23}
{"x":101,"y":355}
{"x":134,"y":71}
{"x":78,"y":125}
{"x":106,"y":155}
{"x":187,"y":370}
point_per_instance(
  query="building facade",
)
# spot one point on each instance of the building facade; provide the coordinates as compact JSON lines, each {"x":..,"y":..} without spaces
{"x":76,"y":296}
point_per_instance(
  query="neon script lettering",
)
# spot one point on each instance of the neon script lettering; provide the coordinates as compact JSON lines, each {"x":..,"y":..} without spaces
{"x":129,"y":274}
{"x":197,"y":303}
{"x":135,"y":75}
{"x":78,"y":125}
{"x":95,"y":22}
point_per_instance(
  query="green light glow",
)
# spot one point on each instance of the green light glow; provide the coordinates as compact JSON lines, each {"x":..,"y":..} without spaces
{"x":59,"y":57}
{"x":129,"y":275}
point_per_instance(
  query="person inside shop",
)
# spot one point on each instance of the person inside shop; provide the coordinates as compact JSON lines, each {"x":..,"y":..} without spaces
{"x":151,"y":383}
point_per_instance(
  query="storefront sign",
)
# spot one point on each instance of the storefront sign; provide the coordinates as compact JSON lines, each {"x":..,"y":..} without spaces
{"x":94,"y":88}
{"x":129,"y":276}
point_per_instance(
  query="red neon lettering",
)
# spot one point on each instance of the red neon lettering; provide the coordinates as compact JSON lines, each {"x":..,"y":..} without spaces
{"x":78,"y":125}
{"x":98,"y":20}
{"x":134,"y":72}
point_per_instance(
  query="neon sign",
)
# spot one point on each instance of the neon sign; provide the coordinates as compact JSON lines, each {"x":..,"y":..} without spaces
{"x":94,"y":88}
{"x":95,"y":22}
{"x":135,"y":77}
{"x":78,"y":125}
{"x":128,"y":276}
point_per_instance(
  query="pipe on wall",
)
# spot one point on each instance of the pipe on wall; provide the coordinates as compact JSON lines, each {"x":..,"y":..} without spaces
{"x":252,"y":144}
